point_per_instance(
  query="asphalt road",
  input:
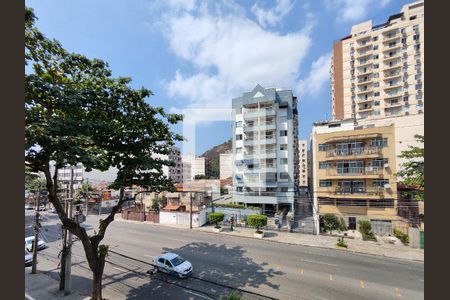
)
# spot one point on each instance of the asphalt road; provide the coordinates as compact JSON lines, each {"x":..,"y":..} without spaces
{"x":259,"y":269}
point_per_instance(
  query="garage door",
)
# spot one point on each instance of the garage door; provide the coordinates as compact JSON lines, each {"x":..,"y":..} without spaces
{"x":381,"y":227}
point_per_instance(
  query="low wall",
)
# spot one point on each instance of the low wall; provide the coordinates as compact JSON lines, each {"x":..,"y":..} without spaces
{"x":138,"y":216}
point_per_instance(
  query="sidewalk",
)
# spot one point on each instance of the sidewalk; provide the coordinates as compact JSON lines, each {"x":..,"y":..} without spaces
{"x":42,"y":286}
{"x":379,"y":248}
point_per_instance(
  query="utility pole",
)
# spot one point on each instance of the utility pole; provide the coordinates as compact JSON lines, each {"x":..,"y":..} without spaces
{"x":86,"y":197}
{"x":190,"y":211}
{"x":36,"y":231}
{"x":68,"y":271}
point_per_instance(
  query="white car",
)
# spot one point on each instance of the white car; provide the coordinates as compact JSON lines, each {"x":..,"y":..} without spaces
{"x":52,"y":210}
{"x":28,"y":258}
{"x":42,"y":207}
{"x":173,"y":264}
{"x":29,"y":244}
{"x":29,"y":206}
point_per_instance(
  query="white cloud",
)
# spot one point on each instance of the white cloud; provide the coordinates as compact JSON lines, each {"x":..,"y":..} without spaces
{"x":353,"y":10}
{"x":230,"y":54}
{"x":273,"y":15}
{"x":317,"y":78}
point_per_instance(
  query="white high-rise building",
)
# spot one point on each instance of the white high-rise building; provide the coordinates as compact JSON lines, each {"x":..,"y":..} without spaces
{"x":173,"y":172}
{"x":226,"y":165}
{"x":192,"y":166}
{"x":265,"y":148}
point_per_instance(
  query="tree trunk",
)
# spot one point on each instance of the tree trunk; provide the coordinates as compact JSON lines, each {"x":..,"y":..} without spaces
{"x":97,"y":286}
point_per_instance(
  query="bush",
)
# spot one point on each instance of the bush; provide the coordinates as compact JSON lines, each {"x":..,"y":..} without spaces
{"x":366,"y":230}
{"x":235,"y":205}
{"x":257,"y":221}
{"x":215,"y":218}
{"x":331,"y":222}
{"x":231,"y":296}
{"x":403,"y":237}
{"x":341,"y":243}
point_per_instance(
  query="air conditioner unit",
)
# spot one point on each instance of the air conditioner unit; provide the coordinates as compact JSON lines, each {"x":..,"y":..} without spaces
{"x":387,"y":186}
{"x":370,"y":168}
{"x":386,"y":165}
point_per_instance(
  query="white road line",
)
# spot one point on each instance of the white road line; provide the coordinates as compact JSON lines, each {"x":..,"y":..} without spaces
{"x":318,"y":262}
{"x":190,"y":292}
{"x":29,"y":297}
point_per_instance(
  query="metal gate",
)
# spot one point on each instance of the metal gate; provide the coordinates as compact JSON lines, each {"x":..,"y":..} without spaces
{"x":182,"y":219}
{"x":381,"y":227}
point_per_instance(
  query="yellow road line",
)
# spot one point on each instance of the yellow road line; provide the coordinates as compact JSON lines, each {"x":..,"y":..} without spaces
{"x":362,"y":284}
{"x":331,"y":277}
{"x":301,"y":271}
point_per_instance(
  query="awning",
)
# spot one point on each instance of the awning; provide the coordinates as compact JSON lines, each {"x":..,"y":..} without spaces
{"x":353,"y":137}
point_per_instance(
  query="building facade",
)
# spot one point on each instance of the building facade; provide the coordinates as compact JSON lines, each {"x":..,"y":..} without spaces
{"x":303,"y":161}
{"x":226,"y":165}
{"x":192,"y":166}
{"x":64,"y":177}
{"x":377,"y":71}
{"x":354,"y":171}
{"x":265,"y":149}
{"x":173,"y":172}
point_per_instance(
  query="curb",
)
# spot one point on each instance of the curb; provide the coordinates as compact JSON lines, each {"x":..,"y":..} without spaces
{"x":280,"y":242}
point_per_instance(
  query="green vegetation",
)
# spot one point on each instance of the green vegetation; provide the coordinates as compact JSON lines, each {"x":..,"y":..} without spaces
{"x":403,"y":237}
{"x":257,"y":221}
{"x":231,"y":296}
{"x":236,"y":205}
{"x":197,"y":177}
{"x":366,"y":230}
{"x":215,"y":218}
{"x":412,"y":173}
{"x":331,"y":222}
{"x":341,"y":243}
{"x":77,"y":113}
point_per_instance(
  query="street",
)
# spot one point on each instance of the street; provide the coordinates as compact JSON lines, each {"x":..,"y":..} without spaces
{"x":259,"y":269}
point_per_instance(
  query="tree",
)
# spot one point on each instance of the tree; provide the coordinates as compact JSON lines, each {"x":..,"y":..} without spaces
{"x":257,"y":221}
{"x":197,"y":177}
{"x":215,"y":218}
{"x":365,"y":227}
{"x":331,"y":222}
{"x":412,"y":172}
{"x":75,"y":112}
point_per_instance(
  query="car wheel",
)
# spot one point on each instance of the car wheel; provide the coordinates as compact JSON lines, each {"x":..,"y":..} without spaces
{"x":158,"y":269}
{"x":180,"y":275}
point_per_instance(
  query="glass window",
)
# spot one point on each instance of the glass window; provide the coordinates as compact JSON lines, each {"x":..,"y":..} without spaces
{"x":324,"y":165}
{"x":238,"y":150}
{"x":283,"y":161}
{"x":325,"y":183}
{"x":324,"y":147}
{"x":283,"y":147}
{"x":375,"y":47}
{"x":283,"y":132}
{"x":379,"y":142}
{"x":238,"y":124}
{"x":238,"y":137}
{"x":418,"y":86}
{"x":380,"y":182}
{"x":376,"y":66}
{"x":376,"y":94}
{"x":284,"y":175}
{"x":416,"y":37}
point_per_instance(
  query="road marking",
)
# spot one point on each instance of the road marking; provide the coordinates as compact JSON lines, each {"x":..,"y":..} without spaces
{"x":319,"y":262}
{"x":397,"y":291}
{"x":29,"y":297}
{"x":331,"y":277}
{"x":200,"y":295}
{"x":301,"y":271}
{"x":362,"y":284}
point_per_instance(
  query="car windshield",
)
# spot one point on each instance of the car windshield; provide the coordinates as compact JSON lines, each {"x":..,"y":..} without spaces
{"x":177,"y":261}
{"x":26,"y":253}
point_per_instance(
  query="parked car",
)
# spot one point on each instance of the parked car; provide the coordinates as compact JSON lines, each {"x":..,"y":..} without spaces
{"x":29,"y":206}
{"x":29,"y":244}
{"x":28,"y":258}
{"x":173,"y":264}
{"x":42,"y":207}
{"x":52,"y":210}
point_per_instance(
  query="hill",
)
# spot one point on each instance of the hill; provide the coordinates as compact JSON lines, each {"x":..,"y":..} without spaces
{"x":212,"y":165}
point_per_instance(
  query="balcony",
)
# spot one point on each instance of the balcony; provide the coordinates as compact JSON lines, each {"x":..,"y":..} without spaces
{"x":392,"y":67}
{"x":391,"y":57}
{"x":249,"y":142}
{"x":368,"y":80}
{"x":267,"y":112}
{"x":392,"y":47}
{"x":268,"y":140}
{"x":392,"y":105}
{"x":363,"y":63}
{"x":354,"y":171}
{"x":363,"y":73}
{"x":365,"y":100}
{"x":365,"y":109}
{"x":362,"y":151}
{"x":392,"y":75}
{"x":361,"y":54}
{"x":391,"y":37}
{"x":393,"y":86}
{"x":364,"y":91}
{"x":363,"y":45}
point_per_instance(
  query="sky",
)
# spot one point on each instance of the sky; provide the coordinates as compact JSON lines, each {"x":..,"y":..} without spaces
{"x":201,"y":54}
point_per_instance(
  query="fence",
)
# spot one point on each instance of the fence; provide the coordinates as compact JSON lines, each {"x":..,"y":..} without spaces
{"x":131,"y":214}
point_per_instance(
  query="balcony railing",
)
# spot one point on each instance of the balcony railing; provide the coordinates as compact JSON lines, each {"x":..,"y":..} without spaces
{"x":354,"y":151}
{"x":348,"y":171}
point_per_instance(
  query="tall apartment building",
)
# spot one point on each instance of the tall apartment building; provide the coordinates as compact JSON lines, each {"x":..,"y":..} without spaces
{"x":354,"y":171}
{"x":192,"y":166}
{"x":265,"y":148}
{"x":226,"y":165}
{"x":377,"y":71}
{"x":173,"y":172}
{"x":65,"y":174}
{"x":303,"y":163}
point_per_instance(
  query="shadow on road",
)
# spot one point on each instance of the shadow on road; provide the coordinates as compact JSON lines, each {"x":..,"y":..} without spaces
{"x":212,"y":263}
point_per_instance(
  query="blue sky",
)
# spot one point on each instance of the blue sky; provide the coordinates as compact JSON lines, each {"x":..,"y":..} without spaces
{"x":201,"y":54}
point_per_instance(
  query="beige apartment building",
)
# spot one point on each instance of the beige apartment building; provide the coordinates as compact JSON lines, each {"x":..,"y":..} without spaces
{"x":353,"y":170}
{"x":377,"y":71}
{"x":303,"y":163}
